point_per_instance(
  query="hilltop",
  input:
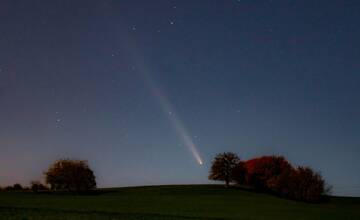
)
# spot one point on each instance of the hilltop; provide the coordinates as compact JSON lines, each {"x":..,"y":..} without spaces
{"x":172,"y":202}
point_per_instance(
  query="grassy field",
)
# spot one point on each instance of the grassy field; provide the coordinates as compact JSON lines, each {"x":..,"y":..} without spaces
{"x":171,"y":202}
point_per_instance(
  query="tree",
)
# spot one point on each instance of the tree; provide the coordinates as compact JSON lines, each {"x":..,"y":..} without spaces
{"x":17,"y":187}
{"x":223,"y":166}
{"x":239,"y":173}
{"x":306,"y":185}
{"x":275,"y":174}
{"x":8,"y":188}
{"x":265,"y":172}
{"x":279,"y":184}
{"x":70,"y":175}
{"x":36,"y":186}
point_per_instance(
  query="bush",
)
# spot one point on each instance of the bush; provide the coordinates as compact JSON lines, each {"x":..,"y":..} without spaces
{"x":17,"y":187}
{"x":8,"y":188}
{"x":70,"y":175}
{"x":37,"y":186}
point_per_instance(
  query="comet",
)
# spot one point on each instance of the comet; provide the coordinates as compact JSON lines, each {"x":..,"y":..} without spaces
{"x":176,"y":123}
{"x":164,"y":103}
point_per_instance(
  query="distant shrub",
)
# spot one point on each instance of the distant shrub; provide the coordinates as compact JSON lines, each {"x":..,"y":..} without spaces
{"x":8,"y":188}
{"x":37,"y":186}
{"x":70,"y":175}
{"x":17,"y":187}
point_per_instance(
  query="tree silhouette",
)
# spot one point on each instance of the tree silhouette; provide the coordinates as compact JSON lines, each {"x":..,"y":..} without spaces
{"x":223,"y":166}
{"x":307,"y":185}
{"x":17,"y":187}
{"x":70,"y":175}
{"x":36,"y":186}
{"x":265,"y":172}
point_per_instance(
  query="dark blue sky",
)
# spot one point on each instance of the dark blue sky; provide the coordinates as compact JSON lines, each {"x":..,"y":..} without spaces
{"x":104,"y":80}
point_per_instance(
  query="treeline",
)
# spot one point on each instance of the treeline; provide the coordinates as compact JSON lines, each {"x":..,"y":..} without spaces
{"x":35,"y":186}
{"x":272,"y":174}
{"x":62,"y":175}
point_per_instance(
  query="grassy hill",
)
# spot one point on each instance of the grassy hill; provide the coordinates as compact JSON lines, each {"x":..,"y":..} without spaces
{"x":171,"y":202}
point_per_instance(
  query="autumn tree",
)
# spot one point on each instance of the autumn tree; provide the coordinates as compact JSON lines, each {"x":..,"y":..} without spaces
{"x":239,"y":173}
{"x":70,"y":175}
{"x":223,"y":166}
{"x":306,"y":185}
{"x":267,"y":172}
{"x":277,"y":175}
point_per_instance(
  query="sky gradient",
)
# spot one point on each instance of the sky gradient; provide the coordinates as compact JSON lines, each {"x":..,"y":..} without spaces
{"x":112,"y":81}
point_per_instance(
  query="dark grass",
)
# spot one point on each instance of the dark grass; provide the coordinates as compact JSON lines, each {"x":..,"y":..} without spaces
{"x":171,"y":202}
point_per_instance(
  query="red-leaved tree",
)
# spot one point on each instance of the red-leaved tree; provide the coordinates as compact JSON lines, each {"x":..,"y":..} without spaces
{"x":266,"y":172}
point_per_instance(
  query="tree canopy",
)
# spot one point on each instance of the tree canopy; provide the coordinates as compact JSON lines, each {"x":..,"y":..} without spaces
{"x":270,"y":174}
{"x":223,"y":166}
{"x":70,"y":175}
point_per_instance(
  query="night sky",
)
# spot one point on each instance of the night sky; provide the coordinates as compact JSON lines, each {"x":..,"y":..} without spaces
{"x":144,"y":90}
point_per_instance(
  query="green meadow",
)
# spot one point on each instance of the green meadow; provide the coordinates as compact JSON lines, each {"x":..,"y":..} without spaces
{"x":171,"y":202}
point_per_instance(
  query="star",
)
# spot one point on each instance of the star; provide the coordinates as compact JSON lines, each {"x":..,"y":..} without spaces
{"x":171,"y":22}
{"x":58,"y":123}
